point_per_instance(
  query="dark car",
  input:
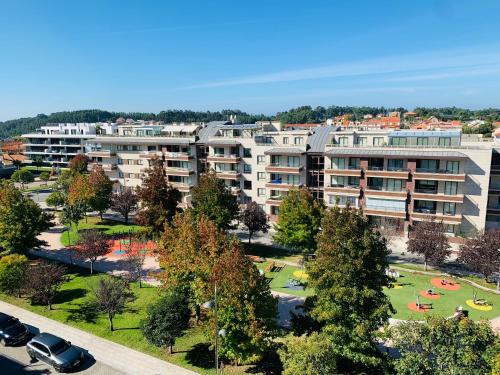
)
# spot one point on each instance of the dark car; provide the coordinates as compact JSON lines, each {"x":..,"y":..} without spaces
{"x":12,"y":331}
{"x":54,"y":351}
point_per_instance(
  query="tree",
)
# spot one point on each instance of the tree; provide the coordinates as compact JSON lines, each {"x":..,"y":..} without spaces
{"x":212,"y":199}
{"x":112,"y":294}
{"x":22,"y":176}
{"x":428,"y":240}
{"x":21,"y":221}
{"x":482,"y":253}
{"x":308,"y":355}
{"x":45,"y":177}
{"x":72,"y":214}
{"x":158,"y":199}
{"x":55,"y":199}
{"x":43,"y":281}
{"x":255,"y":219}
{"x":136,"y":256}
{"x":13,"y":270}
{"x":101,"y":187}
{"x":124,"y":202}
{"x":80,"y":192}
{"x":348,"y":277}
{"x":38,"y":162}
{"x":91,"y":245}
{"x":298,"y":221}
{"x":166,"y":320}
{"x":442,"y":346}
{"x":78,"y":164}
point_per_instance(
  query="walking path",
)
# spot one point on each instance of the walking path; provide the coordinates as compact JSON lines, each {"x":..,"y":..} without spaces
{"x":114,"y":355}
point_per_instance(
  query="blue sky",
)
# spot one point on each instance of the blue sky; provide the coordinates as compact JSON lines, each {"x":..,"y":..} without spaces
{"x":257,"y":56}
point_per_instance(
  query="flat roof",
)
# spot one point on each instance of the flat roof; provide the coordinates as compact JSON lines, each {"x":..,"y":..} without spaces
{"x":143,"y":140}
{"x":424,"y":133}
{"x":285,"y":150}
{"x":389,"y":152}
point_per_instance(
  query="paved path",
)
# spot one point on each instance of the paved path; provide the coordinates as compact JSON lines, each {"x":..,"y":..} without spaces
{"x":117,"y":356}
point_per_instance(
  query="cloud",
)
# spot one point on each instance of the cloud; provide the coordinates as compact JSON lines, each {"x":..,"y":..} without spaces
{"x":424,"y":62}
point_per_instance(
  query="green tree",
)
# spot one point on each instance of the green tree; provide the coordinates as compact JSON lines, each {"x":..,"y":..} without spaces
{"x":443,"y":347}
{"x":80,"y":192}
{"x":308,"y":355}
{"x":45,"y":177}
{"x":299,"y":221}
{"x":21,"y":221}
{"x":13,"y":270}
{"x":79,"y":164}
{"x":22,"y":176}
{"x":38,"y":162}
{"x":427,"y":239}
{"x":348,"y":277}
{"x":158,"y":199}
{"x":255,"y":219}
{"x":55,"y":199}
{"x":72,"y":214}
{"x":166,"y":320}
{"x":212,"y":199}
{"x":101,"y":187}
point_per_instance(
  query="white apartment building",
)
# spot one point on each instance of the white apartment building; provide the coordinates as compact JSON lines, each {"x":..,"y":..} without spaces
{"x":56,"y":144}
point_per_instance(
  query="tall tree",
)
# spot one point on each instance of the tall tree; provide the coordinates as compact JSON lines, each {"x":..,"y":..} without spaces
{"x":135,"y":256}
{"x":482,"y":253}
{"x":166,"y":320}
{"x":72,"y":214}
{"x":348,"y":277}
{"x":38,"y":162}
{"x":158,"y":199}
{"x":21,"y":221}
{"x":91,"y":245}
{"x":55,"y":199}
{"x":442,"y":346}
{"x":13,"y":269}
{"x":112,"y":295}
{"x":43,"y":281}
{"x":428,"y":240}
{"x":101,"y":187}
{"x":22,"y":176}
{"x":124,"y":202}
{"x":45,"y":177}
{"x":255,"y":219}
{"x":78,"y":164}
{"x":80,"y":192}
{"x":299,"y":221}
{"x":213,"y":199}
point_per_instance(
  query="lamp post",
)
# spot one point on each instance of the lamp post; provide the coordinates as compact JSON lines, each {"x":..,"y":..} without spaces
{"x":209,"y":305}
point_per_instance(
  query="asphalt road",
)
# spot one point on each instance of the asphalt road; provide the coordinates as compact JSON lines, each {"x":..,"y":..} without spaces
{"x":14,"y":360}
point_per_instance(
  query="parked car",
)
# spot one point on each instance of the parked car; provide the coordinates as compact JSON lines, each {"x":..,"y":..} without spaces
{"x":12,"y":331}
{"x":54,"y":351}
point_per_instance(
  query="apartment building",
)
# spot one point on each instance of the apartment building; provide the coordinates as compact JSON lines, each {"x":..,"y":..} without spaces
{"x":398,"y":177}
{"x":57,"y":144}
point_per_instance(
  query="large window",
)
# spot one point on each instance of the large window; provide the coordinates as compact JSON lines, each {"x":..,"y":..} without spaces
{"x":354,"y":163}
{"x":362,"y":141}
{"x":395,"y":164}
{"x":427,"y":165}
{"x":378,"y":141}
{"x":394,"y":184}
{"x":298,"y":140}
{"x":426,"y":186}
{"x":450,"y":188}
{"x":398,"y":141}
{"x":344,"y":181}
{"x":452,"y":167}
{"x":449,"y":208}
{"x":444,"y":141}
{"x":385,"y":204}
{"x":338,"y":163}
{"x":293,"y":161}
{"x":342,"y":200}
{"x":375,"y":183}
{"x":343,"y":141}
{"x":219,"y":151}
{"x":422,"y":141}
{"x":426,"y":207}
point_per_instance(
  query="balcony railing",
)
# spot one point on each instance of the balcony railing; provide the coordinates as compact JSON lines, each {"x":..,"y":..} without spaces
{"x":428,"y":211}
{"x":436,"y":170}
{"x":386,"y":208}
{"x":346,"y":167}
{"x":426,"y":191}
{"x":344,"y":186}
{"x":281,"y":165}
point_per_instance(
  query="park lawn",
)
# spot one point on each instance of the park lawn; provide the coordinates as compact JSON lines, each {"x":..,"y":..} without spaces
{"x":190,"y":350}
{"x":271,"y":252}
{"x":280,"y":280}
{"x":107,"y":226}
{"x":445,"y":305}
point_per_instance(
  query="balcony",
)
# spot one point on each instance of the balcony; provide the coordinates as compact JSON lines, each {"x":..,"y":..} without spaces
{"x":107,"y":167}
{"x":398,"y":173}
{"x":177,"y":155}
{"x":150,"y":154}
{"x":181,"y":186}
{"x":343,"y":189}
{"x":224,"y":158}
{"x":100,"y":153}
{"x":279,"y":185}
{"x":354,"y":171}
{"x":422,"y":214}
{"x":494,"y":209}
{"x":495,"y":188}
{"x":385,"y":211}
{"x":433,"y":195}
{"x":379,"y":191}
{"x":282,"y":168}
{"x":174,"y":171}
{"x":437,"y":174}
{"x":235,"y":190}
{"x":228,"y":175}
{"x":275,"y":200}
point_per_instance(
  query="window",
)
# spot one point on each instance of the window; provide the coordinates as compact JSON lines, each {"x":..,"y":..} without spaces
{"x":375,"y":183}
{"x":398,"y":141}
{"x":452,"y":167}
{"x":385,"y":204}
{"x":378,"y":141}
{"x":247,"y":185}
{"x":247,"y":152}
{"x":261,"y":176}
{"x":354,"y":163}
{"x":120,"y":174}
{"x":218,"y":150}
{"x":449,"y":228}
{"x":426,"y":186}
{"x":426,"y":207}
{"x":394,"y":185}
{"x":293,"y":161}
{"x":247,"y":168}
{"x":362,"y":141}
{"x":343,"y":141}
{"x":422,"y":141}
{"x":262,"y":207}
{"x":395,"y":165}
{"x":427,"y":165}
{"x":292,"y":180}
{"x":298,"y":140}
{"x":342,"y":200}
{"x":444,"y":141}
{"x":338,"y":163}
{"x":261,"y":192}
{"x":450,"y":188}
{"x":151,"y":148}
{"x":449,"y":208}
{"x":261,"y":159}
{"x":119,"y":161}
{"x":353,"y":181}
{"x":285,"y":140}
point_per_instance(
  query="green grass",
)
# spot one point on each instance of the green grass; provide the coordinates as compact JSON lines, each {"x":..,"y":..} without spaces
{"x":280,"y":280}
{"x":444,"y":306}
{"x":36,"y":188}
{"x":271,"y":252}
{"x":69,"y":306}
{"x":107,"y":226}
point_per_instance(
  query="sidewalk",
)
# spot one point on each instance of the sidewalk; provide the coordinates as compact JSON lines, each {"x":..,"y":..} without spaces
{"x":114,"y":355}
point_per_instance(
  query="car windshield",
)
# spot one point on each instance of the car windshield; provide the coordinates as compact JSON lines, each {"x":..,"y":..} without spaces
{"x":59,"y":347}
{"x":9,"y":323}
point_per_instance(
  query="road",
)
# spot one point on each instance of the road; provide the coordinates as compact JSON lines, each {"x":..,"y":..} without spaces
{"x":14,"y":360}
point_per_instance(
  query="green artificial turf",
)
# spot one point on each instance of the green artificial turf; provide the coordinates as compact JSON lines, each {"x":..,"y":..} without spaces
{"x":107,"y":226}
{"x":280,"y":280}
{"x":445,"y":305}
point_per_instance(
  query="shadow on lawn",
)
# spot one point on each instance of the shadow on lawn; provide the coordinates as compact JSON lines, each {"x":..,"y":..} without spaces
{"x":200,"y":355}
{"x":69,"y":295}
{"x":87,"y":311}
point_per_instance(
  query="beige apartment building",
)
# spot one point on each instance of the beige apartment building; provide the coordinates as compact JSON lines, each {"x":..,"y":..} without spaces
{"x":398,"y":177}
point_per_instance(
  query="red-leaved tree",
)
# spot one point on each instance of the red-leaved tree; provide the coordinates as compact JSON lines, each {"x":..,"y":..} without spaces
{"x":91,"y":245}
{"x":427,"y":239}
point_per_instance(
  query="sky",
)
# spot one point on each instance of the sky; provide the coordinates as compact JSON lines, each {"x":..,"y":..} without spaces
{"x":257,"y":56}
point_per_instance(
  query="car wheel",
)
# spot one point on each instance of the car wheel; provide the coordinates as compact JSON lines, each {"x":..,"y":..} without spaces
{"x":58,"y":369}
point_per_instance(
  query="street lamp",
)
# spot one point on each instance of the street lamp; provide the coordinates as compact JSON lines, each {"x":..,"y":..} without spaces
{"x":222,"y":332}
